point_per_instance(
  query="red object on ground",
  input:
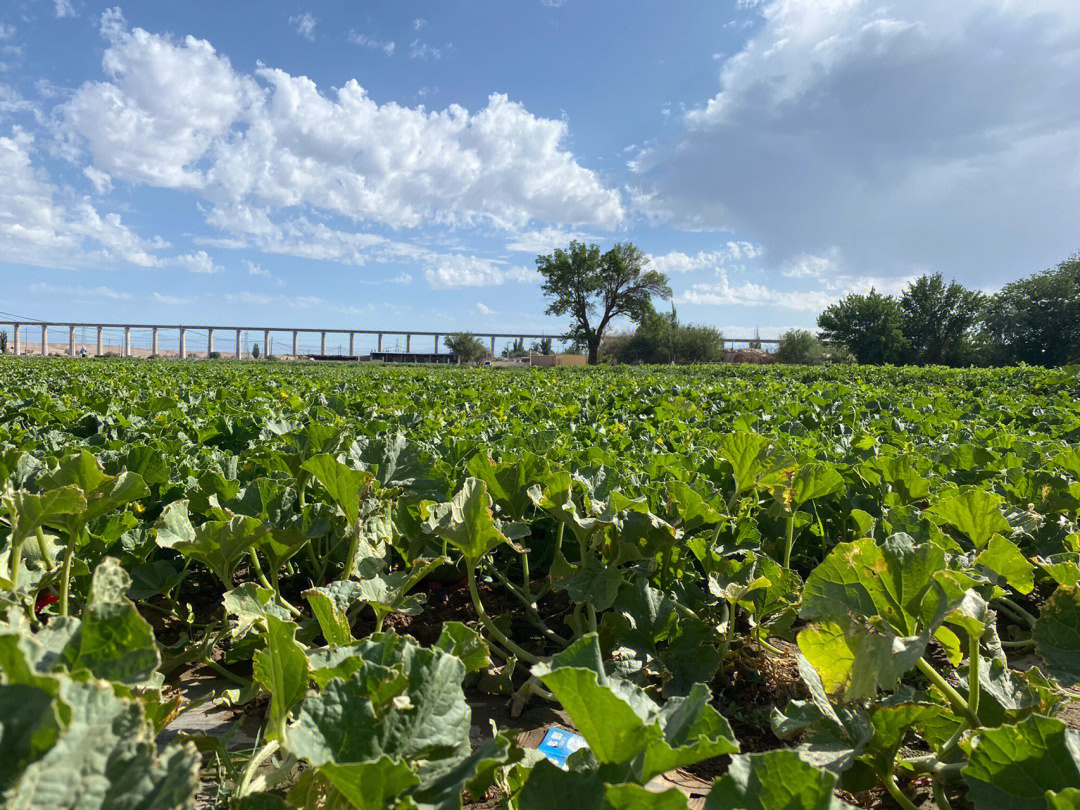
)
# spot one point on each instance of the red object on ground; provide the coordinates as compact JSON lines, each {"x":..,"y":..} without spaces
{"x":44,"y":599}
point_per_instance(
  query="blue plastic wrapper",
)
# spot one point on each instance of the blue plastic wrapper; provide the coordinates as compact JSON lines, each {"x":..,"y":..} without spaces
{"x":558,"y":744}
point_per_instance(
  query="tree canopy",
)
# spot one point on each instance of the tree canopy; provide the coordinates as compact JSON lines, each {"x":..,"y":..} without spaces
{"x":870,"y":326}
{"x":937,"y":320}
{"x":467,"y":347}
{"x":593,"y":288}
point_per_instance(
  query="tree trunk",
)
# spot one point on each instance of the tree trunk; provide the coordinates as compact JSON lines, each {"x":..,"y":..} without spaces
{"x":594,"y":352}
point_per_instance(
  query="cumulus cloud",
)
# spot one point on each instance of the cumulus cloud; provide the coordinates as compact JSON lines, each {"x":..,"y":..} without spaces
{"x":174,"y":113}
{"x":485,"y":310}
{"x":546,"y":240}
{"x":365,"y":41}
{"x":910,"y":135}
{"x":305,"y":25}
{"x":197,"y":262}
{"x":64,"y":8}
{"x":456,"y":270}
{"x":40,"y":226}
{"x":679,"y":262}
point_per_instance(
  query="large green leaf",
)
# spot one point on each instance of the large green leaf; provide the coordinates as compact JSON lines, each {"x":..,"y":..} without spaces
{"x":104,"y":759}
{"x":863,"y":578}
{"x":1003,"y":558}
{"x":344,"y":483}
{"x":776,"y":780}
{"x":747,"y":454}
{"x":857,"y":660}
{"x":974,"y":513}
{"x":1012,"y":767}
{"x":466,"y":521}
{"x":1057,"y":634}
{"x":218,"y":544}
{"x":29,"y":726}
{"x":371,"y":785}
{"x":282,"y":668}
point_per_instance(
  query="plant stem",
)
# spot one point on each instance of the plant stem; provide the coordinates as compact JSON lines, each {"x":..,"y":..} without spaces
{"x":973,"y":675}
{"x":526,"y":581}
{"x":354,"y":544}
{"x":266,"y":583}
{"x":253,"y":765}
{"x":894,"y":790}
{"x":220,"y":670}
{"x":530,"y":611}
{"x":1024,"y":616}
{"x":940,"y":798}
{"x":1023,"y":644}
{"x":959,"y":705}
{"x":789,"y":539}
{"x":489,"y":625}
{"x":592,"y":616}
{"x":65,"y":574}
{"x":44,"y":548}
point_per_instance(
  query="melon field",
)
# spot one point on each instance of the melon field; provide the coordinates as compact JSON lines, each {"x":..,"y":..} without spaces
{"x":796,"y":588}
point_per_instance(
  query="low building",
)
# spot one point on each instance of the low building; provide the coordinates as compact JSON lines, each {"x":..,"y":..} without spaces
{"x":551,"y":360}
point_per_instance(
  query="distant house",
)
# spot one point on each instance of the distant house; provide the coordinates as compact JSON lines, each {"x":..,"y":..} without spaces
{"x":550,"y":360}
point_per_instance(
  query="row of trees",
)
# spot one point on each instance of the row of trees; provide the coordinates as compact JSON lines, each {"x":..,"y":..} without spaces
{"x":1034,"y":320}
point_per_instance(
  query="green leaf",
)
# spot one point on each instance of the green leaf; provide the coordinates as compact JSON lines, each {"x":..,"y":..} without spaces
{"x":551,"y":788}
{"x":693,"y":731}
{"x":1057,"y":634}
{"x":593,"y":582}
{"x":29,"y":726}
{"x":218,"y":544}
{"x":282,"y":668}
{"x":28,"y":511}
{"x":858,"y":660}
{"x":635,"y":797}
{"x":1003,"y":558}
{"x":343,"y":483}
{"x":890,"y":581}
{"x":776,"y":780}
{"x":813,"y":481}
{"x":747,"y":454}
{"x":331,"y":616}
{"x":371,"y":785}
{"x":464,"y":643}
{"x":105,"y":759}
{"x":975,"y":513}
{"x":467,"y":522}
{"x":1067,"y":799}
{"x":615,"y":727}
{"x":1012,"y":767}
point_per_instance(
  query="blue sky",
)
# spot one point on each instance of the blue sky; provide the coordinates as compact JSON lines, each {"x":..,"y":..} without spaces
{"x":400,"y":164}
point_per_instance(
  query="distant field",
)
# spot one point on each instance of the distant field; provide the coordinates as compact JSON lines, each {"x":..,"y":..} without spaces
{"x":785,"y":579}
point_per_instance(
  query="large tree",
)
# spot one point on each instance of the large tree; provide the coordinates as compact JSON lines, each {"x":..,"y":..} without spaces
{"x":938,"y":319}
{"x":870,"y":326}
{"x":466,"y":347}
{"x":593,"y":288}
{"x":1036,"y":320}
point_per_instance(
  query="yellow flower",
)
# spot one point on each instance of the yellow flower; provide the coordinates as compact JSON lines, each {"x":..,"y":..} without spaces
{"x":139,"y":508}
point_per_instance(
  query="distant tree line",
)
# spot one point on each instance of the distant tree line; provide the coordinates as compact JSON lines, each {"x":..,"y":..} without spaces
{"x":1035,"y":320}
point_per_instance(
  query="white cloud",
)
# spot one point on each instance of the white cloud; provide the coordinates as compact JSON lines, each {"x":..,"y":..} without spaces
{"x":546,"y":240}
{"x":256,"y":270}
{"x":197,"y":262}
{"x":485,"y":310}
{"x":165,"y":106}
{"x":79,"y":292}
{"x":553,"y":3}
{"x":171,"y":300}
{"x":305,"y":25}
{"x":293,"y":302}
{"x":422,"y":50}
{"x":39,"y":225}
{"x":64,"y":8}
{"x":365,"y":41}
{"x":723,"y":292}
{"x":679,"y":262}
{"x":456,"y":270}
{"x":418,"y":23}
{"x":909,"y":134}
{"x":174,"y":113}
{"x":101,"y":180}
{"x":6,"y":31}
